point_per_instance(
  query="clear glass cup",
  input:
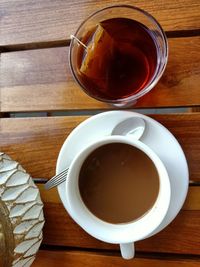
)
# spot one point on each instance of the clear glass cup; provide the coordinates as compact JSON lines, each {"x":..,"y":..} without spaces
{"x":130,"y":12}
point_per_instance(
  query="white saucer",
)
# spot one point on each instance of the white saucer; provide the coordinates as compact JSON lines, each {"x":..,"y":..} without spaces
{"x":156,"y":136}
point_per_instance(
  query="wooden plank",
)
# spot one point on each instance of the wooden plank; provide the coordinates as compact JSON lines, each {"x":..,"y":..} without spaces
{"x":89,"y":259}
{"x":183,"y":232}
{"x":40,"y":139}
{"x":181,"y":236}
{"x":41,"y":80}
{"x":30,"y":21}
{"x":192,"y":201}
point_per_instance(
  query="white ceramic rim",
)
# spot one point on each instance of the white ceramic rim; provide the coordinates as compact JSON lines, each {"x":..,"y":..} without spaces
{"x":117,"y":233}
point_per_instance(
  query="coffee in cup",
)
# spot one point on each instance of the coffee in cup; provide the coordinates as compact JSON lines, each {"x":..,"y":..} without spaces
{"x":118,"y":183}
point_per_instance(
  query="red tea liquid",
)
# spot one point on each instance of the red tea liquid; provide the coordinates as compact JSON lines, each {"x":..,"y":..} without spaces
{"x":123,"y":61}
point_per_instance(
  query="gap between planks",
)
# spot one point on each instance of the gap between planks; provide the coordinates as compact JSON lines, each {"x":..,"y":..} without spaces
{"x":61,"y":43}
{"x":147,"y":111}
{"x":112,"y":252}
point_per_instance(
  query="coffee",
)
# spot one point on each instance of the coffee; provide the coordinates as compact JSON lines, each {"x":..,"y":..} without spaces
{"x":120,"y":60}
{"x":118,"y":183}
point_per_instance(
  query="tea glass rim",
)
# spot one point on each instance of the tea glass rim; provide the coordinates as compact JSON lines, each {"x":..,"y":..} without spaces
{"x":153,"y":81}
{"x":117,"y":233}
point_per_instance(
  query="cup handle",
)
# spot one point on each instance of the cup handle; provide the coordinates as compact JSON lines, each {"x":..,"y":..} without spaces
{"x":127,"y":250}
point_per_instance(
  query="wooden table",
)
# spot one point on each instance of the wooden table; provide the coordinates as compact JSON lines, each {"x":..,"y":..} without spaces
{"x":37,"y":86}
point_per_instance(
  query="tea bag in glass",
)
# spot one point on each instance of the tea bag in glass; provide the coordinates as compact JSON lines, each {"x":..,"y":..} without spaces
{"x":98,"y":57}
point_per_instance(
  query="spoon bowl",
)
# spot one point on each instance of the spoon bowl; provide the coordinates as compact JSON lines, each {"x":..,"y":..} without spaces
{"x":133,"y":127}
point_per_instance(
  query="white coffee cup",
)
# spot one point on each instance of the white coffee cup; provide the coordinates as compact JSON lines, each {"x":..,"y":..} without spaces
{"x":127,"y":233}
